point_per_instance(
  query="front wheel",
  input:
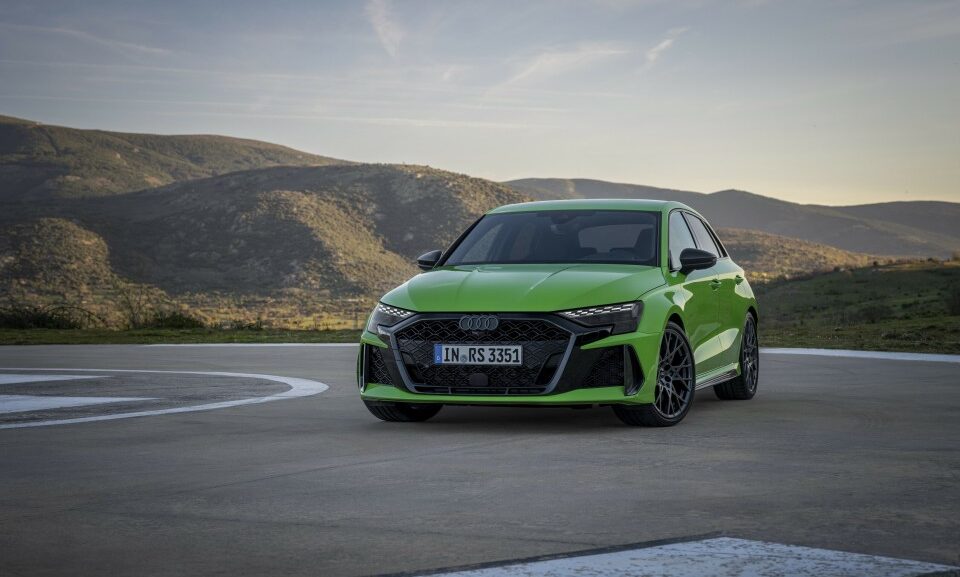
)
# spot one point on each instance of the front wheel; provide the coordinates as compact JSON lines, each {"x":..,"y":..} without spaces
{"x":744,"y":387}
{"x":673,"y":395}
{"x":402,"y":412}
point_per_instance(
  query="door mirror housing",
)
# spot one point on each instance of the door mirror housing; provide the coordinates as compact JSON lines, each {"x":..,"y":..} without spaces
{"x":428,"y":260}
{"x":692,"y":259}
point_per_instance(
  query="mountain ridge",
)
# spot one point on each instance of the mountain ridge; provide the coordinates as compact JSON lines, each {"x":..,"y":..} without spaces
{"x":40,"y":161}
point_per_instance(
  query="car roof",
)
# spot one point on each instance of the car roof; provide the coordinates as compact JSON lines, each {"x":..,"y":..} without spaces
{"x":593,"y":204}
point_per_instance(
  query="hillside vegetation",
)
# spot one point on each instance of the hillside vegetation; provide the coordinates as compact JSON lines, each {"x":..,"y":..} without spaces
{"x":41,"y":161}
{"x":292,"y":244}
{"x":907,"y":306}
{"x":767,"y":257}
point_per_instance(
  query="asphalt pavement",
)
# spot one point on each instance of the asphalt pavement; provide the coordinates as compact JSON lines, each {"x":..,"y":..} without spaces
{"x":849,"y":454}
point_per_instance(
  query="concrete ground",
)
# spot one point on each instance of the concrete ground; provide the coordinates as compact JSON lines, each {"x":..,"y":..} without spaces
{"x":858,"y":455}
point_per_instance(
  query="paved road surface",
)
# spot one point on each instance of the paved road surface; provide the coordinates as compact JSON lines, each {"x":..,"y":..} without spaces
{"x":851,"y":454}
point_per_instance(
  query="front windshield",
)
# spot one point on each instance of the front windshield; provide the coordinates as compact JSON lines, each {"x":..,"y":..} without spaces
{"x":562,"y":236}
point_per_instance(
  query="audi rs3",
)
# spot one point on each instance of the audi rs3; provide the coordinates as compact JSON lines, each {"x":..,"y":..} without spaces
{"x":632,"y":304}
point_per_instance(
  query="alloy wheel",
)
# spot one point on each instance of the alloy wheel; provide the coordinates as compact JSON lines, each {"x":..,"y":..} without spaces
{"x":675,"y":378}
{"x":750,"y":356}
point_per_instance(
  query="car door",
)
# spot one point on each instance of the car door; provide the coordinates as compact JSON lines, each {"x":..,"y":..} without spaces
{"x":710,"y":354}
{"x":701,"y":303}
{"x":733,"y":305}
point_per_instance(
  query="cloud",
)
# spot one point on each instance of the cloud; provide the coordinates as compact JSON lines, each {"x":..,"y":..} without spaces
{"x":552,"y":63}
{"x":653,"y":54}
{"x":389,"y":32}
{"x":116,"y":45}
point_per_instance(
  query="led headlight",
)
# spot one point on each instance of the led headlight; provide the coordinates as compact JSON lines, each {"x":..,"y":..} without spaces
{"x":621,"y":318}
{"x":386,"y":315}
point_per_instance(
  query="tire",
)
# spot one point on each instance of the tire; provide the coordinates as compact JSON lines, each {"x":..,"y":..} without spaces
{"x":402,"y":412}
{"x":676,"y":374}
{"x":744,"y":386}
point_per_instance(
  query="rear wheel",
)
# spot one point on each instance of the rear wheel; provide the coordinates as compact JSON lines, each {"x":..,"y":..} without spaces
{"x":673,"y":395}
{"x":402,"y":412}
{"x":744,"y":387}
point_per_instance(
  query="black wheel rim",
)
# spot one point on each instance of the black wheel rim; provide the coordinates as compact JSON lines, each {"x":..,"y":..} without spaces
{"x":750,"y":356}
{"x":675,"y":377}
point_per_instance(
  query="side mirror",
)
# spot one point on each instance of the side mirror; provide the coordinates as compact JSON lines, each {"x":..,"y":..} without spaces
{"x":692,"y":259}
{"x":427,"y":261}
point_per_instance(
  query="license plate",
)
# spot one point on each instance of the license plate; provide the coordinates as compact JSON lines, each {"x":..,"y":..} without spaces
{"x":477,"y":354}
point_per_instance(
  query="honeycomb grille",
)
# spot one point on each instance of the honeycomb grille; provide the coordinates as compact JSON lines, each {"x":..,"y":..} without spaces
{"x":607,"y":370}
{"x":540,"y":339}
{"x":377,"y":367}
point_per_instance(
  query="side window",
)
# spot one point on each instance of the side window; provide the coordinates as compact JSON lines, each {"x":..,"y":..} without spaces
{"x":704,"y":240}
{"x":680,"y":238}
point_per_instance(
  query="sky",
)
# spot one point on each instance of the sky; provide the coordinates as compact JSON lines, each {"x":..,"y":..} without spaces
{"x":837,"y":102}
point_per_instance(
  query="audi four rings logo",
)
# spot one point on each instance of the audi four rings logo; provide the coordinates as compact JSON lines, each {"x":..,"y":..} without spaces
{"x":479,"y":323}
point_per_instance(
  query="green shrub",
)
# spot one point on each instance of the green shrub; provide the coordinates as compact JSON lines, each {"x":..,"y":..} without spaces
{"x":953,"y":302}
{"x":242,"y":325}
{"x":55,"y":317}
{"x":875,"y":313}
{"x":174,"y":320}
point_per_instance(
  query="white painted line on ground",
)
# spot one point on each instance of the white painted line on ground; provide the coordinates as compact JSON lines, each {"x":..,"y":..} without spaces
{"x":712,"y":557}
{"x":23,"y":403}
{"x":10,"y":379}
{"x":253,"y":345}
{"x":889,"y":356}
{"x":298,"y":388}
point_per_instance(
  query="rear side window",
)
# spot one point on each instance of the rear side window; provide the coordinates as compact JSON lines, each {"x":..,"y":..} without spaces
{"x":680,"y":238}
{"x":700,"y":232}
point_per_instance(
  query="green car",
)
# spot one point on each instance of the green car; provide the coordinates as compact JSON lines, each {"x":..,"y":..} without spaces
{"x":633,"y":304}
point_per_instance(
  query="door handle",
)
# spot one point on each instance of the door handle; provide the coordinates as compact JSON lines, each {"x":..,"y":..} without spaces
{"x":738,"y":278}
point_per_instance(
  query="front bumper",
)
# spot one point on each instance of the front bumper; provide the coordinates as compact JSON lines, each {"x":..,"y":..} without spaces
{"x":583,"y":375}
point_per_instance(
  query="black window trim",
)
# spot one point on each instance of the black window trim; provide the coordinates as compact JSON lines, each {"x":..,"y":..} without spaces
{"x":713,"y":235}
{"x":669,"y":216}
{"x":685,"y":212}
{"x":687,"y":215}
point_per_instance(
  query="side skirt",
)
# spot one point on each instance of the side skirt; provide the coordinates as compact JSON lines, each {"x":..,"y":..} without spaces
{"x":723,"y":376}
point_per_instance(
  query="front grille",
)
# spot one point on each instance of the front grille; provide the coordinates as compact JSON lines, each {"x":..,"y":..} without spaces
{"x":607,"y":370}
{"x":544,"y":344}
{"x":376,"y":366}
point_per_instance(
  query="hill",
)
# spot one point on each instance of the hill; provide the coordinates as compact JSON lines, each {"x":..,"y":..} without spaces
{"x":48,"y":256}
{"x":40,"y":161}
{"x":939,"y":217}
{"x":349,"y":230}
{"x":289,"y":243}
{"x":292,"y":241}
{"x":902,"y":229}
{"x":768,"y":256}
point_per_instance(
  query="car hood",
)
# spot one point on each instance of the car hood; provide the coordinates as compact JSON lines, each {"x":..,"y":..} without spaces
{"x":523,"y":288}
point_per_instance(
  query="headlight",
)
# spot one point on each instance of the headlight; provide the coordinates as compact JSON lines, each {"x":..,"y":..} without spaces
{"x":386,"y":315}
{"x":621,"y":318}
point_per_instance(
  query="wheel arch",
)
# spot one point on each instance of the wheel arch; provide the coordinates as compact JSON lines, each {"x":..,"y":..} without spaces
{"x":675,"y":317}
